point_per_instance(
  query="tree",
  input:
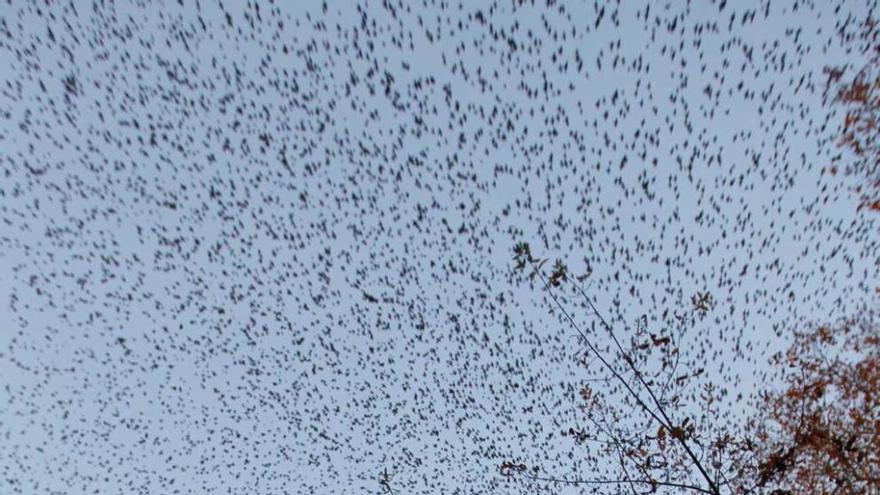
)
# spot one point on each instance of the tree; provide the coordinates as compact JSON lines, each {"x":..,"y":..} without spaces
{"x":859,"y":97}
{"x":819,"y":435}
{"x":643,"y":408}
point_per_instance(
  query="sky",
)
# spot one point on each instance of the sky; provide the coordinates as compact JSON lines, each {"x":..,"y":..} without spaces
{"x":267,"y":247}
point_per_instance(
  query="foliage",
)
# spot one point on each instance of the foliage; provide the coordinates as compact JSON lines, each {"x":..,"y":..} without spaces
{"x":821,"y":434}
{"x":859,"y":97}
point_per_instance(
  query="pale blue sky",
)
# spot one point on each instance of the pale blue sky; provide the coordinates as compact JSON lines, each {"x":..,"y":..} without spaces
{"x":186,"y":312}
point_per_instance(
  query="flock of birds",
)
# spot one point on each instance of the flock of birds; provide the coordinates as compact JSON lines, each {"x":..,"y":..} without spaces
{"x":266,"y":248}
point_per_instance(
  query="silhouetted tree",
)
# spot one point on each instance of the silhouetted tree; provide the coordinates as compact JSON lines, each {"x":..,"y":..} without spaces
{"x":819,"y":435}
{"x":641,"y":410}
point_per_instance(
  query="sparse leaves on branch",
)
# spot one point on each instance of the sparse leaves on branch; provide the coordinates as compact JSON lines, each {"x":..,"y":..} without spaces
{"x":641,"y":392}
{"x":819,"y":435}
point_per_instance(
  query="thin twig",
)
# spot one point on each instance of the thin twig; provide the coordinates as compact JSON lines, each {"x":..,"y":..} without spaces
{"x":641,"y":379}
